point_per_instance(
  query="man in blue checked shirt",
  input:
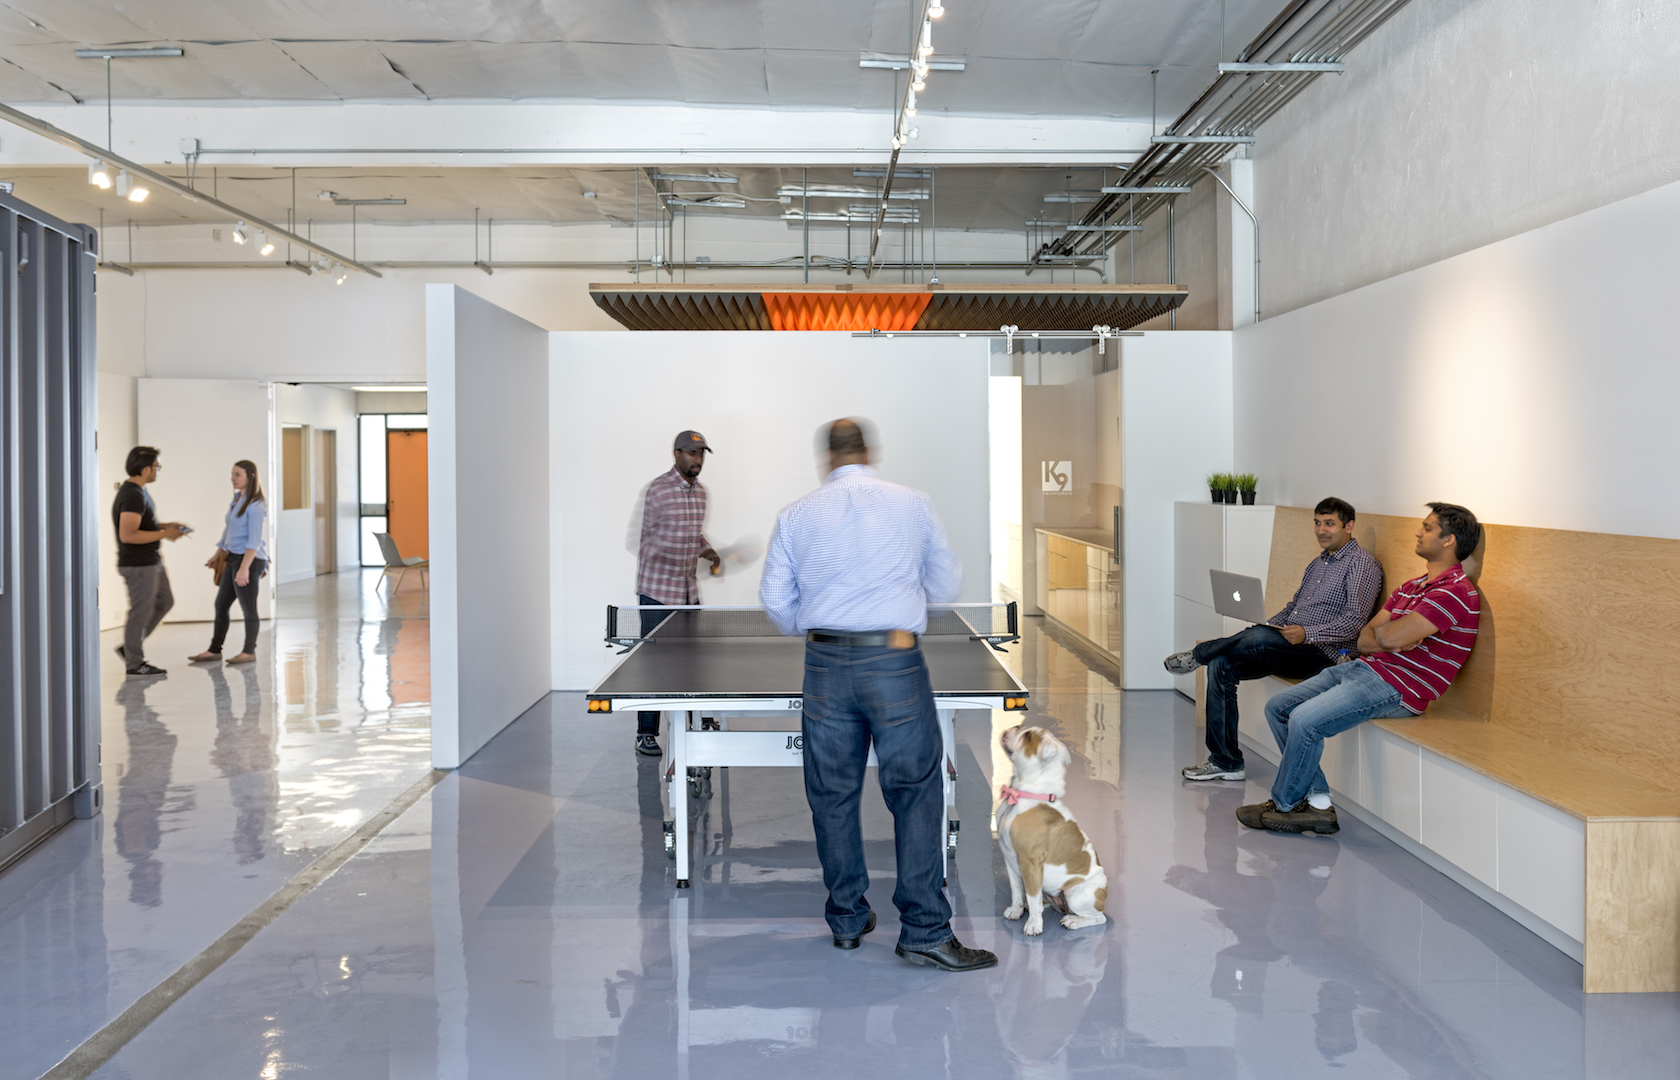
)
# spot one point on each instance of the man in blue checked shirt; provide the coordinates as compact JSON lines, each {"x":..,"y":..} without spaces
{"x":852,"y":566}
{"x":1338,"y":595}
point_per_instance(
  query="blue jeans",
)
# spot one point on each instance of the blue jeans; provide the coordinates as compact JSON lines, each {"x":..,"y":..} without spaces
{"x":1302,"y":717}
{"x":855,"y":695}
{"x":1252,"y":653}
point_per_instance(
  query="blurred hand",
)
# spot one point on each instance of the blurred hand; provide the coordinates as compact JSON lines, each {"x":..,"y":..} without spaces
{"x":172,"y":531}
{"x":1295,"y":635}
{"x":243,"y":578}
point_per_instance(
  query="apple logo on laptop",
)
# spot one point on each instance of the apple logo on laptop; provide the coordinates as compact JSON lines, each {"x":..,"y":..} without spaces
{"x":1237,"y":596}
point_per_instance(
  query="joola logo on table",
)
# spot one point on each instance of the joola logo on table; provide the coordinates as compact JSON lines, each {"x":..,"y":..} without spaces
{"x":796,"y":743}
{"x":1058,"y":476}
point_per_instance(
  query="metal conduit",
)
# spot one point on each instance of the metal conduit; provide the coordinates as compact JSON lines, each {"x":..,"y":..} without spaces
{"x":1234,"y":104}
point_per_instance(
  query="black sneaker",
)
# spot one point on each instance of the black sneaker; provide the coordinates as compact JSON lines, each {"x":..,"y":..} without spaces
{"x":649,"y":745}
{"x":143,"y":668}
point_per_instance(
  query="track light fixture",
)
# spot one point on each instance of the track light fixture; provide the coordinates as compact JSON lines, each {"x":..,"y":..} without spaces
{"x":925,"y":49}
{"x":99,"y":174}
{"x":937,"y":11}
{"x":265,"y":246}
{"x":129,"y":189}
{"x":240,"y":236}
{"x":342,"y":274}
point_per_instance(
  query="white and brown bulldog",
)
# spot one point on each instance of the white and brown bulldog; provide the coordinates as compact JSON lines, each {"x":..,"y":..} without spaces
{"x":1044,"y":848}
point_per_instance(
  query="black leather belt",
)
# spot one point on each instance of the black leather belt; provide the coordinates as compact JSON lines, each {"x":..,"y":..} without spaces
{"x":891,"y":639}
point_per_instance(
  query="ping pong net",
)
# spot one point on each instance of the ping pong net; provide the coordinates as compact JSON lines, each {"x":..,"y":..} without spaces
{"x":995,"y":624}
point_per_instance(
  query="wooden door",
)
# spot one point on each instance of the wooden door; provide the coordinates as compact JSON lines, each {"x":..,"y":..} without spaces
{"x":405,"y":465}
{"x":325,"y":490}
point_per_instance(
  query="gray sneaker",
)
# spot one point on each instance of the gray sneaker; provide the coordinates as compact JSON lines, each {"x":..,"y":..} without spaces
{"x":1207,"y":770}
{"x":1181,"y":663}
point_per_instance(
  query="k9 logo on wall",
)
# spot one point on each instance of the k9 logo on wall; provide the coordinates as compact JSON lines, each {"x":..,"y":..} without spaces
{"x":1058,"y":476}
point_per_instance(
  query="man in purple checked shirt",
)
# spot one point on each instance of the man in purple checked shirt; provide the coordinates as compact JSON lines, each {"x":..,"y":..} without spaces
{"x":1338,"y":594}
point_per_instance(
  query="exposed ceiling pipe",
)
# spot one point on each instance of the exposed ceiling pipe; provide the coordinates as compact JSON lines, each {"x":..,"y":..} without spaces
{"x":64,"y":138}
{"x":1236,"y":103}
{"x":628,"y":265}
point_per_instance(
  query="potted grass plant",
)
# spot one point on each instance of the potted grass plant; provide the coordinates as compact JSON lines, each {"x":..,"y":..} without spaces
{"x":1217,"y":483}
{"x":1247,"y":484}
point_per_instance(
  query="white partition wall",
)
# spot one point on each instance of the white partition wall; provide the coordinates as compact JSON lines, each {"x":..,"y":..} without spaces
{"x":1175,"y":426}
{"x":488,"y":457}
{"x":201,"y":427}
{"x":618,"y":399}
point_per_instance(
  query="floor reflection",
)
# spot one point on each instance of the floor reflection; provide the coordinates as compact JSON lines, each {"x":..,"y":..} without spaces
{"x":522,"y":921}
{"x":143,"y":792}
{"x":222,"y":783}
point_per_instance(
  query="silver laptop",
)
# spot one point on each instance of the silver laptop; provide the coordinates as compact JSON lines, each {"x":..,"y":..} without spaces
{"x":1238,"y":596}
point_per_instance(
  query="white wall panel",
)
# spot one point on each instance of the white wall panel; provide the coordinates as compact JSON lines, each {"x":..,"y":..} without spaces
{"x":488,"y":464}
{"x":1198,"y":546}
{"x":760,"y":399}
{"x":1560,"y":408}
{"x":201,"y":427}
{"x":294,"y":544}
{"x":1248,"y":544}
{"x":1176,"y":428}
{"x":1460,"y":816}
{"x":1543,"y":861}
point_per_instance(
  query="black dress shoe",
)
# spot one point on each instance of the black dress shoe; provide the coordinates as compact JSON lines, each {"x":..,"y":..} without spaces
{"x":952,"y":956}
{"x":853,"y":942}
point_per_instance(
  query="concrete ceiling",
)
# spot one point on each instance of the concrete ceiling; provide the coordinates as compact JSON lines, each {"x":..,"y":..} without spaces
{"x":980,"y":198}
{"x":1044,"y":58}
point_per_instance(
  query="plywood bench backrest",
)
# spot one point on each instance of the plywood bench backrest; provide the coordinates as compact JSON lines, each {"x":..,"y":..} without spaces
{"x":1587,"y":628}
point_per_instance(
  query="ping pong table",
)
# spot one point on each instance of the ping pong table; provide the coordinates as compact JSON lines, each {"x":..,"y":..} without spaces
{"x":703,"y":665}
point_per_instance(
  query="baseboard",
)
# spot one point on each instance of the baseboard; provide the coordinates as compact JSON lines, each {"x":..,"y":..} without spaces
{"x":1523,"y":917}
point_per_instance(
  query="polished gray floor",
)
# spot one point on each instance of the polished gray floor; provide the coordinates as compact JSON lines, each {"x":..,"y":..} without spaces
{"x":520,"y":920}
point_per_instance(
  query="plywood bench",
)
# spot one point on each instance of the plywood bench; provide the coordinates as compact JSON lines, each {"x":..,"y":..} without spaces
{"x":1542,"y":780}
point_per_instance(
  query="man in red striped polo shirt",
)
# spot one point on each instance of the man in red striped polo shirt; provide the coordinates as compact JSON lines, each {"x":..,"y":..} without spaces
{"x":1410,"y":652}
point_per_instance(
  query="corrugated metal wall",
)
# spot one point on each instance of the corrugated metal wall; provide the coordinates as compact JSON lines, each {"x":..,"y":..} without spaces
{"x":49,"y":670}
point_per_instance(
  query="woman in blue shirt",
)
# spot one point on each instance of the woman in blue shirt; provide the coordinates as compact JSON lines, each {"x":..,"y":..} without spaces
{"x":247,"y":559}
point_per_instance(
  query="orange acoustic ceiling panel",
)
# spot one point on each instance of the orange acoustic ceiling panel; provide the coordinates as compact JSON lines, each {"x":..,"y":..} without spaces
{"x":845,"y":311}
{"x":840,"y":306}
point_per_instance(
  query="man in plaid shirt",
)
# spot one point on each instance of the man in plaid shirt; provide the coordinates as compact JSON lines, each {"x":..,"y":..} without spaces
{"x":672,"y":544}
{"x":1338,"y":593}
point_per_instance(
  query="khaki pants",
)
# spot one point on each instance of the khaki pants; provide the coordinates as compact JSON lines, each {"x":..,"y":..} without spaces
{"x":149,"y":600}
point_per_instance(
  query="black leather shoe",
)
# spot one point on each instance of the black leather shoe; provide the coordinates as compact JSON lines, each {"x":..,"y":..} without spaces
{"x":853,"y":942}
{"x":952,"y":956}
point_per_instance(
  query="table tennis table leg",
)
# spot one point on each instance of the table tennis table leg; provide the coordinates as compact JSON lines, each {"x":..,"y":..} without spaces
{"x":677,"y":729}
{"x":948,"y":775}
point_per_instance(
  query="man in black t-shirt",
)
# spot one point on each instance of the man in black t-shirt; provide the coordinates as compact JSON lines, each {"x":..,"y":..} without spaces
{"x":138,"y":560}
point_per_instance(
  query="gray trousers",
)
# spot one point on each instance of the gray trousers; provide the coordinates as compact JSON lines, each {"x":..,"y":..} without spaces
{"x":149,"y":600}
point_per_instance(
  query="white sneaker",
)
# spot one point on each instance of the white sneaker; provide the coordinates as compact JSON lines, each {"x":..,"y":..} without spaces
{"x":1207,"y":770}
{"x":1181,"y":663}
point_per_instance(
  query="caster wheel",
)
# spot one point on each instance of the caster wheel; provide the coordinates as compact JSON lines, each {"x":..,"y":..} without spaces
{"x":682,"y":883}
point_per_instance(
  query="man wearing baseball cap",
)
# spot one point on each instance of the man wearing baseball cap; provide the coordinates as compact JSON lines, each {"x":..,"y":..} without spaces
{"x":672,"y":545}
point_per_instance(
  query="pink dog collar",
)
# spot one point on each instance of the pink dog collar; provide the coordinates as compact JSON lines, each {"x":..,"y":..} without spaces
{"x":1015,"y":795}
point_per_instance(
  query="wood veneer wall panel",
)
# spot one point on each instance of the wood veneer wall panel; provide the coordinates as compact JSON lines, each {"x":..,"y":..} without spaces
{"x":1633,"y":907}
{"x":1590,"y":625}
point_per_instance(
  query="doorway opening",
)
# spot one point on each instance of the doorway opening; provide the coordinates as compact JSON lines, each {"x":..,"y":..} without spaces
{"x":393,"y":478}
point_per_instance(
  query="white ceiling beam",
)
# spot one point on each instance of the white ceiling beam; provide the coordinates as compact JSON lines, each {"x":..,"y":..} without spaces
{"x":585,"y":134}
